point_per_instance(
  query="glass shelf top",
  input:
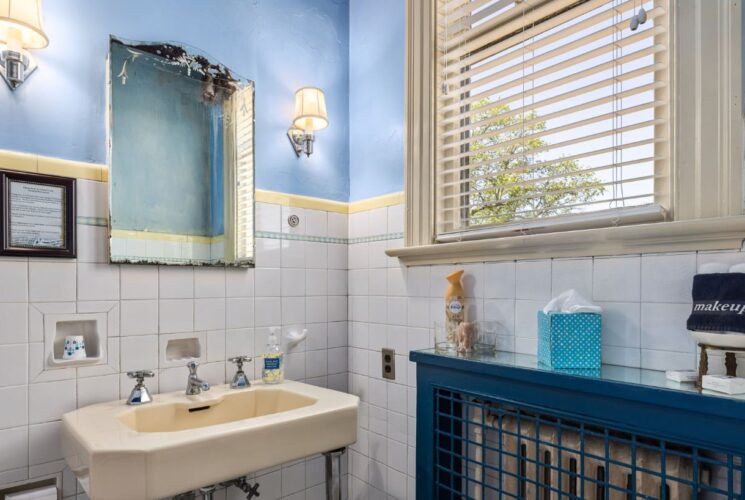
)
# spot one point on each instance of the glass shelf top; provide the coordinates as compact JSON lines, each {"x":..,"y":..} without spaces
{"x":611,"y":373}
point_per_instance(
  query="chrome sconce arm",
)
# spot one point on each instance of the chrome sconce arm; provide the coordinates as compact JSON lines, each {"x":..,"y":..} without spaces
{"x":302,"y":142}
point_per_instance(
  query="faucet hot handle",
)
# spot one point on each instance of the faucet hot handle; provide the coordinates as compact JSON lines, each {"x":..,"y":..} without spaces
{"x":192,"y":366}
{"x":140,"y":375}
{"x":239,"y":360}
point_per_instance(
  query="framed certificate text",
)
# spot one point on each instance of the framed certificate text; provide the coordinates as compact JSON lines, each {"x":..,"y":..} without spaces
{"x":37,"y":213}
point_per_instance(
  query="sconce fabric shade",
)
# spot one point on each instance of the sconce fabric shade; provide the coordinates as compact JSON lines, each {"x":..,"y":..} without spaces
{"x":22,"y":16}
{"x":310,"y":109}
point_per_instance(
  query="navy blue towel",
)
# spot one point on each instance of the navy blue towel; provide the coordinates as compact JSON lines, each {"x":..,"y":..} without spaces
{"x":718,"y":303}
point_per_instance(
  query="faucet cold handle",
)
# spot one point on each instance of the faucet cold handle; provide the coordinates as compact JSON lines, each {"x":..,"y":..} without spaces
{"x":240,"y":380}
{"x":140,"y":375}
{"x":192,"y":366}
{"x":239,"y":360}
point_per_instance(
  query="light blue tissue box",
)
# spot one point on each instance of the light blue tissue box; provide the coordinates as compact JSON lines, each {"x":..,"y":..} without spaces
{"x":569,"y":340}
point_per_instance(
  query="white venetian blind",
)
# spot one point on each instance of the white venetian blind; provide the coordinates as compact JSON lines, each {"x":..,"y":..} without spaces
{"x":244,"y":174}
{"x":551,"y":114}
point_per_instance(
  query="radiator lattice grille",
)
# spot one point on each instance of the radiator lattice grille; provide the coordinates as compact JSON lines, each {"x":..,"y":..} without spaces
{"x":491,"y":449}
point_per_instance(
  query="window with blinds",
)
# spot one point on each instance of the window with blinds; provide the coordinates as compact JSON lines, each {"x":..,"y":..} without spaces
{"x":551,"y":115}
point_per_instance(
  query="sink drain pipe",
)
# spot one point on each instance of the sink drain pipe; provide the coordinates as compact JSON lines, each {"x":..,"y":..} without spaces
{"x":333,"y":474}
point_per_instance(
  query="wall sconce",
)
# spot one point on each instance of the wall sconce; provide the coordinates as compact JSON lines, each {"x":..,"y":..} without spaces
{"x":20,"y":29}
{"x":310,"y":115}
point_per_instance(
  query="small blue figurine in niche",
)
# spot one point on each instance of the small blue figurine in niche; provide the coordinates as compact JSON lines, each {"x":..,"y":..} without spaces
{"x":74,"y":347}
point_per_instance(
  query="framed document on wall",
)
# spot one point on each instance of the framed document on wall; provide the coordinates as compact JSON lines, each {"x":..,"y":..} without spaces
{"x":37,"y":214}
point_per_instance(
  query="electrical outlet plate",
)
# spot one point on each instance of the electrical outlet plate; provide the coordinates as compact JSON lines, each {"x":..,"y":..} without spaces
{"x":389,"y":363}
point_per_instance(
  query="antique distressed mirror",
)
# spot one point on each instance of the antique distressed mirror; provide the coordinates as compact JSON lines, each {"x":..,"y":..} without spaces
{"x":181,"y":158}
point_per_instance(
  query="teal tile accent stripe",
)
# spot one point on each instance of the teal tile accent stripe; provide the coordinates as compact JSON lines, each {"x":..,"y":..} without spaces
{"x":93,"y":221}
{"x":327,"y":239}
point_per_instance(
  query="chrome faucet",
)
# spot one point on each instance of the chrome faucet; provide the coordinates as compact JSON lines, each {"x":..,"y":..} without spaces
{"x":240,"y":380}
{"x":139,"y":395}
{"x":195,"y":385}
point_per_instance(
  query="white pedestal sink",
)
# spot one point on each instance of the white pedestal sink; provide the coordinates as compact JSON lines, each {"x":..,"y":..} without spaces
{"x":179,"y":443}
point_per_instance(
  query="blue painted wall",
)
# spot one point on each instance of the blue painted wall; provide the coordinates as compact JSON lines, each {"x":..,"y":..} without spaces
{"x":376,"y":101}
{"x":282,"y":45}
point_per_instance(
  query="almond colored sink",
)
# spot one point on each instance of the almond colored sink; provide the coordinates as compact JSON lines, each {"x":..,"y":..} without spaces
{"x":179,"y":443}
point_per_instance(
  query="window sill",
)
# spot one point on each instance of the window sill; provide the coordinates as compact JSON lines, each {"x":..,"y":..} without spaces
{"x":722,"y":233}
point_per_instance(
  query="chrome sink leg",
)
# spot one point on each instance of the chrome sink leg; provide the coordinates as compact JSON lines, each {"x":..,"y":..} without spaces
{"x":208,"y":492}
{"x":333,"y":474}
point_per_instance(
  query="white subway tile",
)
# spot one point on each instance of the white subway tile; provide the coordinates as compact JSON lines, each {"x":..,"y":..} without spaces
{"x":241,"y":342}
{"x":293,"y":310}
{"x":267,"y":311}
{"x":316,"y":309}
{"x":139,"y":282}
{"x":216,"y":346}
{"x":526,"y":318}
{"x":268,"y":253}
{"x":292,"y":282}
{"x":663,"y":327}
{"x":50,"y":400}
{"x":14,"y":452}
{"x":98,"y":282}
{"x":338,"y":225}
{"x":139,"y":317}
{"x":396,"y":219}
{"x":533,"y":280}
{"x":293,"y":253}
{"x":316,"y":223}
{"x":51,"y":281}
{"x":209,"y":314}
{"x":501,"y":311}
{"x":574,"y":274}
{"x":14,"y":363}
{"x":45,"y":443}
{"x":499,"y":281}
{"x":337,"y":308}
{"x":176,"y":315}
{"x":268,"y":217}
{"x":337,"y":256}
{"x":93,"y":244}
{"x":617,"y":279}
{"x":621,"y":324}
{"x":92,"y":390}
{"x":176,"y":282}
{"x":15,"y":407}
{"x":418,"y":281}
{"x":239,"y":313}
{"x":268,"y":282}
{"x":667,"y":360}
{"x":14,"y":277}
{"x":209,"y":282}
{"x":667,"y":278}
{"x":13,"y":323}
{"x":239,"y":282}
{"x":316,"y":282}
{"x":316,"y":255}
{"x":139,"y":353}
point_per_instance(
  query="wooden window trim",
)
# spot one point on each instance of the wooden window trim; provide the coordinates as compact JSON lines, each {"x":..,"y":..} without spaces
{"x":706,"y":185}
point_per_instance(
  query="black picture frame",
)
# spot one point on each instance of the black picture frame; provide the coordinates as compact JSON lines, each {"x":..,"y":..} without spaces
{"x":68,"y":249}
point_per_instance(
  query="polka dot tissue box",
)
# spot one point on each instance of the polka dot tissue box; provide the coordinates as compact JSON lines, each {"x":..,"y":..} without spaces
{"x":569,"y":340}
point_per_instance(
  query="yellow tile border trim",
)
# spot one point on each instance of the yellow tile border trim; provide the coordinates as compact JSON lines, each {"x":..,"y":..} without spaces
{"x":385,"y":200}
{"x":27,"y":162}
{"x":300,"y":201}
{"x":147,"y":235}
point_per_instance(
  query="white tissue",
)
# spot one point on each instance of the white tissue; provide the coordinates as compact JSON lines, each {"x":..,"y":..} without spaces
{"x":713,"y":268}
{"x":737,"y":268}
{"x":570,"y":301}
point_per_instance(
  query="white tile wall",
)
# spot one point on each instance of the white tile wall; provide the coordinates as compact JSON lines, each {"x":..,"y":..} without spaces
{"x":230,"y":309}
{"x":646,"y":301}
{"x":353,"y":299}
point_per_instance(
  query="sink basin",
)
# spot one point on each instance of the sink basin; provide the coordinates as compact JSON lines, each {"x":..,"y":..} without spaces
{"x":182,"y":415}
{"x":179,"y":443}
